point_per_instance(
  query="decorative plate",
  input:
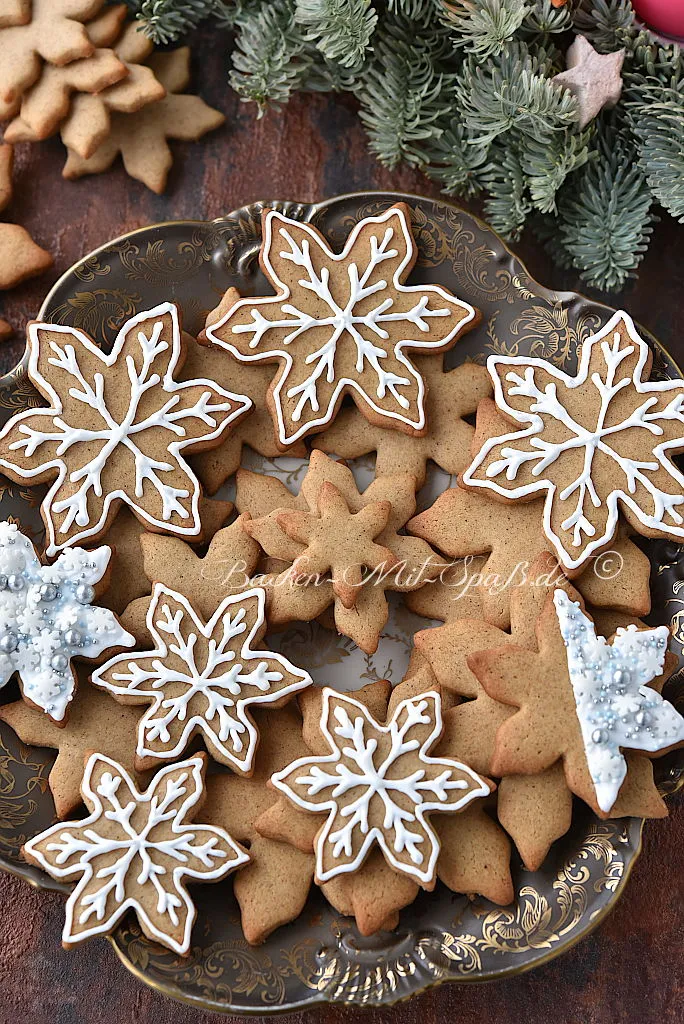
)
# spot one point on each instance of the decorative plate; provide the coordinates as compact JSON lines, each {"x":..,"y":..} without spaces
{"x":320,"y":958}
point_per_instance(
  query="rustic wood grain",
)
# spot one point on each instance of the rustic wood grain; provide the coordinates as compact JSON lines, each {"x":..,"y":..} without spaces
{"x":630,"y":969}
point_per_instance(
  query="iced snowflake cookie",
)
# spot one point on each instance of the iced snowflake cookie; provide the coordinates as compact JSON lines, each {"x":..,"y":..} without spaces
{"x":342,"y":324}
{"x":474,"y":853}
{"x":341,"y":546}
{"x":583,"y":701}
{"x":594,"y":444}
{"x":134,"y":852}
{"x":379,"y":783}
{"x":202,"y":677}
{"x":47,"y":618}
{"x":468,"y":524}
{"x":116,"y":430}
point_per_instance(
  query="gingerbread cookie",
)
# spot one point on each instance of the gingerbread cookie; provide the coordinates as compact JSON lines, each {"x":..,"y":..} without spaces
{"x":594,"y":444}
{"x":45,"y":105}
{"x":272,"y":889}
{"x":325,"y":511}
{"x":140,"y":137}
{"x":116,"y":429}
{"x":202,"y":678}
{"x":127,"y":537}
{"x":378,"y":784}
{"x":95,"y":723}
{"x":20,"y":257}
{"x":55,"y":33}
{"x":342,"y":324}
{"x":599,"y":694}
{"x":450,"y":397}
{"x":47,"y":618}
{"x":15,"y":12}
{"x":134,"y":851}
{"x":89,"y":123}
{"x":256,"y":430}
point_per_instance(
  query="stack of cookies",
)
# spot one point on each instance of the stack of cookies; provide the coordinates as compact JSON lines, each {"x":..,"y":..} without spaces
{"x":77,"y":68}
{"x":148,"y":637}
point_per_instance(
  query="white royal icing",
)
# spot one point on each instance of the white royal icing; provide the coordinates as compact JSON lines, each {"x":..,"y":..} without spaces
{"x":133,"y":842}
{"x":346,"y":735}
{"x":340,"y":320}
{"x":125,"y":431}
{"x":585,"y":538}
{"x":46,"y":618}
{"x":615,"y":706}
{"x":228,"y":680}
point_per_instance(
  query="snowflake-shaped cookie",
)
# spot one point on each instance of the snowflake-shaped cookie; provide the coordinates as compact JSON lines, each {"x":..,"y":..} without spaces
{"x":377,"y":785}
{"x":115,"y":429}
{"x":596,"y":442}
{"x":615,"y":706}
{"x":46,"y":619}
{"x":133,"y":851}
{"x":342,"y":323}
{"x":202,"y":678}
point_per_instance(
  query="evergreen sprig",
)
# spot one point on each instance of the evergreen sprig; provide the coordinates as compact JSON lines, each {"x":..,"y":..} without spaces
{"x":464,"y":89}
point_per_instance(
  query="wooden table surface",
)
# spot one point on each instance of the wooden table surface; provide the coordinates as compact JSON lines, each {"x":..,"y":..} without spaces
{"x":630,"y":969}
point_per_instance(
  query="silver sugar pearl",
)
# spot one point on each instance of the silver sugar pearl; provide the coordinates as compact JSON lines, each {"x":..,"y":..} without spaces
{"x":9,"y":643}
{"x":15,"y":581}
{"x":48,"y":592}
{"x":73,"y":638}
{"x":599,"y":736}
{"x":84,"y":593}
{"x":3,"y":581}
{"x":59,"y":662}
{"x":642,"y":718}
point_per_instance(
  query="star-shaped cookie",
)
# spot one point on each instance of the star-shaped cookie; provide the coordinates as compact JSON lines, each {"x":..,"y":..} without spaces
{"x":202,"y":678}
{"x":377,"y":783}
{"x":272,"y":889}
{"x":450,"y":396}
{"x":342,"y":323}
{"x":297,"y":595}
{"x":20,"y":257}
{"x":134,"y":851}
{"x":553,"y":723}
{"x":141,"y":137}
{"x":116,"y":429}
{"x":95,"y":723}
{"x":594,"y":78}
{"x":593,"y":445}
{"x":535,"y":808}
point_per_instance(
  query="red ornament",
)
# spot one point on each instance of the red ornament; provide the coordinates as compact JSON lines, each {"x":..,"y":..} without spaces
{"x":666,"y":16}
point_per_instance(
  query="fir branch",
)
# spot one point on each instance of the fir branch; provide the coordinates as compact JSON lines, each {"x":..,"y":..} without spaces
{"x":659,"y":127}
{"x":404,"y":91}
{"x":544,"y":20}
{"x":341,"y":29}
{"x":512,"y":91}
{"x":167,"y":20}
{"x":607,"y":24}
{"x":482,"y":27}
{"x":270,"y":59}
{"x":605,"y":212}
{"x":455,"y":161}
{"x":547,"y":164}
{"x":507,"y":205}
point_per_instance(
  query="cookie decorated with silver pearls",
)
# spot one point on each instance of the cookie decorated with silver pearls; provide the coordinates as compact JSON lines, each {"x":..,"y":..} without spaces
{"x":47,"y":618}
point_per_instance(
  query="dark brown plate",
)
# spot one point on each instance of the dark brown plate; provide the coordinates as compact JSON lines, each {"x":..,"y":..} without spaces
{"x":442,"y":937}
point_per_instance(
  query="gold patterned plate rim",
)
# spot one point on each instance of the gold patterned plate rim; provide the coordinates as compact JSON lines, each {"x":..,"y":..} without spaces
{"x":302,"y":965}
